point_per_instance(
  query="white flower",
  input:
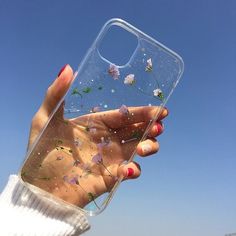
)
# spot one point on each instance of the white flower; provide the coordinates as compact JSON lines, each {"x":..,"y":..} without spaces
{"x":157,"y":92}
{"x":149,"y":65}
{"x":124,"y":110}
{"x":129,"y":79}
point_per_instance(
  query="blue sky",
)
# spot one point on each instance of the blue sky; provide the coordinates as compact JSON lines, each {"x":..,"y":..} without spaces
{"x":188,"y":188}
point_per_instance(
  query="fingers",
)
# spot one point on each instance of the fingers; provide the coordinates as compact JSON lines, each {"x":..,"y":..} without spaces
{"x":115,"y":119}
{"x":131,"y":170}
{"x":57,"y":90}
{"x":147,"y":147}
{"x":136,"y":131}
{"x":54,"y":94}
{"x":156,"y":129}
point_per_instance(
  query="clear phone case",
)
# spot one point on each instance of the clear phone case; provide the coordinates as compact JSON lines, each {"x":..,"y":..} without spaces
{"x":97,"y":126}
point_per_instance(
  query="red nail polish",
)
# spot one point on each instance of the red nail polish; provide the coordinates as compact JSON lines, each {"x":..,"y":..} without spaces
{"x":159,"y":128}
{"x":130,"y":172}
{"x":61,"y":70}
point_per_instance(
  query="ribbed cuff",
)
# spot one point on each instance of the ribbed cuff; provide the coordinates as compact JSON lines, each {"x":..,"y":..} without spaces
{"x":24,"y":213}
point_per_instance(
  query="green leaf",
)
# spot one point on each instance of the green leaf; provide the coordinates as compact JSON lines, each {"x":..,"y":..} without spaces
{"x":161,"y":96}
{"x":87,"y":90}
{"x":136,"y":134}
{"x":76,"y":92}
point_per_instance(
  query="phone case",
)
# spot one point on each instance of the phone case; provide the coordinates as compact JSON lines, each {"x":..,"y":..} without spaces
{"x":108,"y":110}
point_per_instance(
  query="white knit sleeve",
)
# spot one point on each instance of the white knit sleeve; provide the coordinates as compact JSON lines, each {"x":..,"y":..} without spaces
{"x":24,"y":213}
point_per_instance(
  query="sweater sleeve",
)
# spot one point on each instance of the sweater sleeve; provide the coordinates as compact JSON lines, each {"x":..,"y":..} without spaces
{"x":24,"y":213}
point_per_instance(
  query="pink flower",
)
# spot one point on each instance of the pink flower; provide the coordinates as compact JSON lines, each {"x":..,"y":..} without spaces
{"x":149,"y":65}
{"x":95,"y":109}
{"x":114,"y":71}
{"x":129,"y":79}
{"x":124,"y":110}
{"x":104,"y":142}
{"x":97,"y":158}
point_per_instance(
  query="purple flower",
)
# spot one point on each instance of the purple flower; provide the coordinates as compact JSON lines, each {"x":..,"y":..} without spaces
{"x":95,"y":109}
{"x":74,"y":180}
{"x":71,"y":180}
{"x":65,"y":178}
{"x":114,"y":71}
{"x":124,"y":110}
{"x":129,"y":79}
{"x":97,"y":158}
{"x":104,"y":142}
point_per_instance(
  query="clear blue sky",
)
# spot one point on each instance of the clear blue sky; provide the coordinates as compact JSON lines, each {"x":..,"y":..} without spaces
{"x":188,"y":188}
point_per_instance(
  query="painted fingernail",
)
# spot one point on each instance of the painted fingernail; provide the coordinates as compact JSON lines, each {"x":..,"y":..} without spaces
{"x":159,"y":128}
{"x":146,"y":148}
{"x":61,"y":70}
{"x":130,"y":172}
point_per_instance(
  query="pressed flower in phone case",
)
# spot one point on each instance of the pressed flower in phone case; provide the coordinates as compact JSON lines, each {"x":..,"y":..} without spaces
{"x":95,"y":109}
{"x":149,"y":65}
{"x":124,"y":110}
{"x":97,"y":159}
{"x":158,"y":93}
{"x":114,"y":71}
{"x":129,"y":79}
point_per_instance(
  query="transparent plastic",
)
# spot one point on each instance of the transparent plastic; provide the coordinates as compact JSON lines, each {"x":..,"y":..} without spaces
{"x":97,"y":126}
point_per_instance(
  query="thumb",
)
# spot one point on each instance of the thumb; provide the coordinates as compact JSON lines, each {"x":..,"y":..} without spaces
{"x":57,"y":90}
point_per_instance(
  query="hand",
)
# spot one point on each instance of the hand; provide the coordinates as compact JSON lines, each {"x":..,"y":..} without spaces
{"x":80,"y":159}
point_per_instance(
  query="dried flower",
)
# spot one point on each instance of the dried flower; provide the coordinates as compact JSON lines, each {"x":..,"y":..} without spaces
{"x":129,"y":79}
{"x":114,"y":71}
{"x":71,"y":180}
{"x":158,"y":93}
{"x":95,"y":109}
{"x":104,"y":142}
{"x":149,"y":65}
{"x":124,"y":110}
{"x":97,"y":159}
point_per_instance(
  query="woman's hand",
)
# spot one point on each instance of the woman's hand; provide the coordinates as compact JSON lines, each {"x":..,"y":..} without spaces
{"x":82,"y":157}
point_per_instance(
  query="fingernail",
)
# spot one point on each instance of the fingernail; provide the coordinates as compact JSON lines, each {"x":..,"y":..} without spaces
{"x":146,"y":148}
{"x":130,"y":172}
{"x":61,"y":70}
{"x":166,"y":111}
{"x":159,"y":128}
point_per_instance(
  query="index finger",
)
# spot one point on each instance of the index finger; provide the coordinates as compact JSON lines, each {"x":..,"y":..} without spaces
{"x":116,"y":119}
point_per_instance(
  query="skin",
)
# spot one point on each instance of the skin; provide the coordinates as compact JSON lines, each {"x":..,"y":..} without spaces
{"x":58,"y":142}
